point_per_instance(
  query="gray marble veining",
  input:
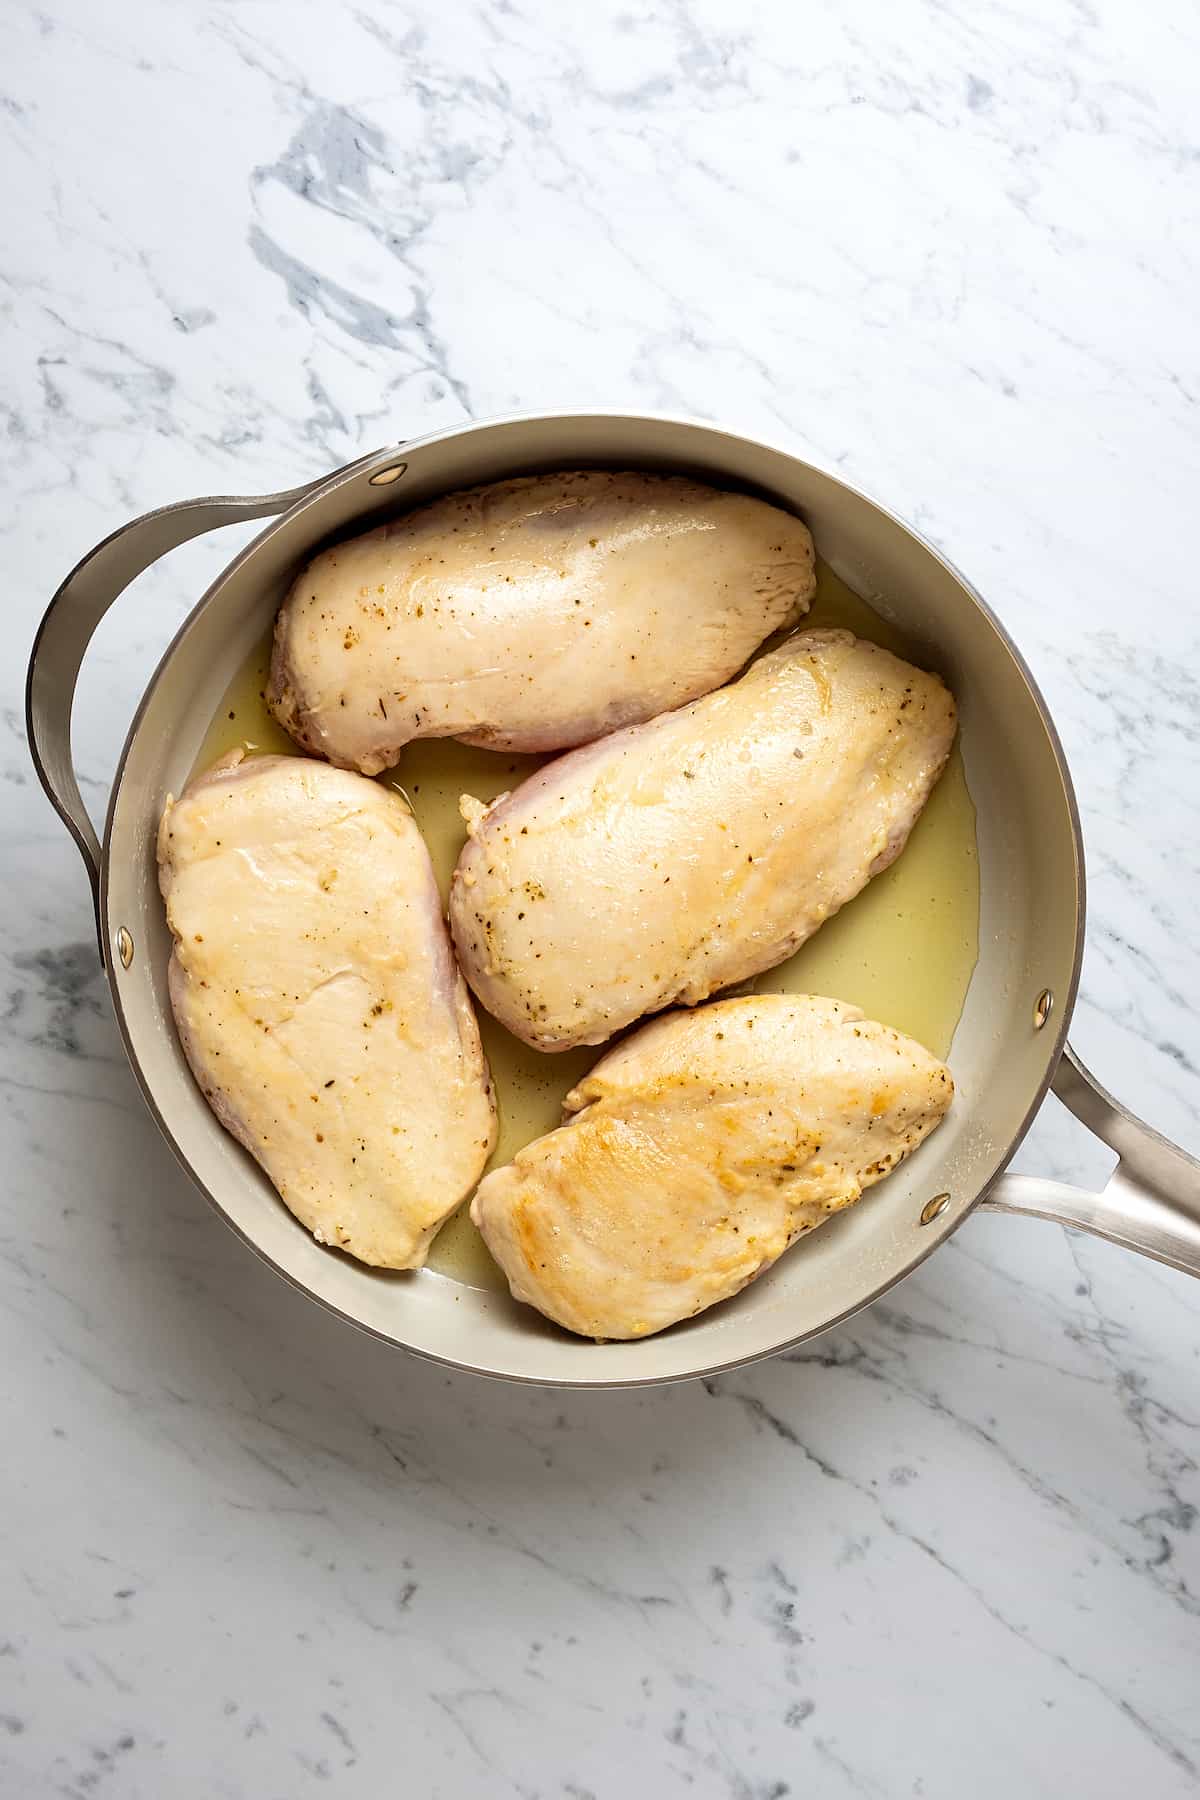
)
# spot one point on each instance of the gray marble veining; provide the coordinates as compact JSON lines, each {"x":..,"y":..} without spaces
{"x":954,"y":1546}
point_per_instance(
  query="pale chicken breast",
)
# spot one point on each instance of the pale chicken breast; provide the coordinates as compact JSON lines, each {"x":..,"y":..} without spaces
{"x":677,"y":857}
{"x":318,"y":1000}
{"x":532,"y":614}
{"x":697,"y":1151}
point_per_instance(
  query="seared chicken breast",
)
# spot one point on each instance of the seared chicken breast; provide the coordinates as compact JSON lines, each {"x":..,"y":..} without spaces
{"x":318,"y":1000}
{"x":532,"y":614}
{"x":676,"y":857}
{"x":697,"y":1151}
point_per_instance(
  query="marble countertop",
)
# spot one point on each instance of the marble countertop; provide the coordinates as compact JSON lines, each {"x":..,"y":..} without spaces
{"x":952,"y":1548}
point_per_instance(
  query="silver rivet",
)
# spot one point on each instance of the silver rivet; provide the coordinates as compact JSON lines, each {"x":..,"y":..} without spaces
{"x":385,"y":477}
{"x":124,"y":947}
{"x":1043,"y":1006}
{"x":933,"y":1209}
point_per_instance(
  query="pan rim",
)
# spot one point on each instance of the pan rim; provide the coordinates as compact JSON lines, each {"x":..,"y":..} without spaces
{"x":1065,"y":1001}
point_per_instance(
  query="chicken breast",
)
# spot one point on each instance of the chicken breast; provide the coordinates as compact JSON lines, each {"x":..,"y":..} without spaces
{"x":697,"y":1151}
{"x":318,"y":1001}
{"x":532,"y":614}
{"x":676,"y":857}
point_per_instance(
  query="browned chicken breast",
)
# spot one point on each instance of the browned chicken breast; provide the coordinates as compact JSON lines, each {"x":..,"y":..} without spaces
{"x":532,"y":614}
{"x":318,"y":1000}
{"x":697,"y":1151}
{"x":674,"y":858}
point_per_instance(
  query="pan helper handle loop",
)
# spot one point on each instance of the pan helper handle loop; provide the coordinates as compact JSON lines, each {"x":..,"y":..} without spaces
{"x":76,"y":610}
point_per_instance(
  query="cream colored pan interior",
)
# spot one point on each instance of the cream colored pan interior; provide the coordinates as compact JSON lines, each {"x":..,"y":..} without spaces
{"x":1029,"y":937}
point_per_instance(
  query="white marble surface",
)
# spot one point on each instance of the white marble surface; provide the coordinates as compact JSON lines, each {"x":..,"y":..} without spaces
{"x":952,"y":1548}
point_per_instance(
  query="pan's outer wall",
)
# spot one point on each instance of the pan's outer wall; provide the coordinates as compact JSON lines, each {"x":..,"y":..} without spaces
{"x":1030,"y":926}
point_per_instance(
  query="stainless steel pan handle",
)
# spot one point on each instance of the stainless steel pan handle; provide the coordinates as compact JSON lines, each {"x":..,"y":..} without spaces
{"x":1152,"y":1199}
{"x":71,"y":620}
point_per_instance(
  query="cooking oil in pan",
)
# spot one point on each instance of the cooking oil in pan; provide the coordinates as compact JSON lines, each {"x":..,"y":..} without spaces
{"x":903,"y":950}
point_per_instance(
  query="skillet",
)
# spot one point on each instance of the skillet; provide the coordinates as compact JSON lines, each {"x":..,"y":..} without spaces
{"x":1010,"y":1045}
